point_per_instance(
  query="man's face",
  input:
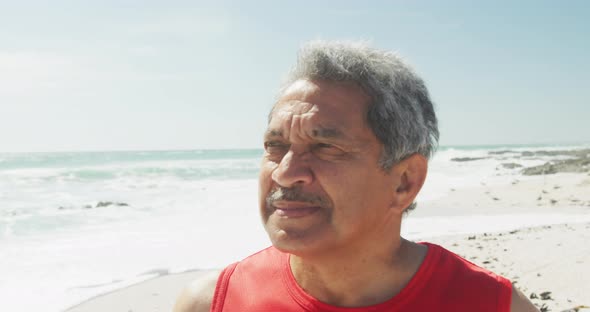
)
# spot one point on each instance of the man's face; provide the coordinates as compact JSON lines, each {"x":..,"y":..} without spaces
{"x":321,"y":187}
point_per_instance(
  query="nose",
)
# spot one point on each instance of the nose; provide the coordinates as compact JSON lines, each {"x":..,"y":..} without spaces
{"x":293,"y":170}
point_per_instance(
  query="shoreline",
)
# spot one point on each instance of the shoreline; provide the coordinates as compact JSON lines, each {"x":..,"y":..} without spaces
{"x":533,"y":258}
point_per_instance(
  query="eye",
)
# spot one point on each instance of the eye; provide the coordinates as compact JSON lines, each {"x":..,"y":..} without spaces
{"x":273,"y":147}
{"x":327,"y":150}
{"x":324,"y":145}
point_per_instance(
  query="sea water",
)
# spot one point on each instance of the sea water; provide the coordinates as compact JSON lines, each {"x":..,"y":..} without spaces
{"x":75,"y":225}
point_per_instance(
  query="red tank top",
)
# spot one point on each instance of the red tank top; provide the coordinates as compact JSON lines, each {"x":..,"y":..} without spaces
{"x":263,"y":282}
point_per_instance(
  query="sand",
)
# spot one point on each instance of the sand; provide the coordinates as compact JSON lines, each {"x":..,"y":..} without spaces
{"x":558,"y":193}
{"x":550,"y":264}
{"x":157,"y":294}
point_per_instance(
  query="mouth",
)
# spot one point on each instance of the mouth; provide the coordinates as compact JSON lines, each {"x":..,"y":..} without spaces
{"x":289,"y":209}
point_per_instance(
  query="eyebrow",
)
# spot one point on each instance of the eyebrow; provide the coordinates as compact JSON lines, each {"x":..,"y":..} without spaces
{"x":321,"y":133}
{"x":327,"y":133}
{"x":273,"y":133}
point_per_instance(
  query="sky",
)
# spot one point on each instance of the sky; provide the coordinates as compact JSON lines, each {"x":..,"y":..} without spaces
{"x":158,"y":75}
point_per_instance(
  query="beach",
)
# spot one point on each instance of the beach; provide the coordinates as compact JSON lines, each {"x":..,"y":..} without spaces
{"x":146,"y":143}
{"x":126,"y":231}
{"x":548,"y":262}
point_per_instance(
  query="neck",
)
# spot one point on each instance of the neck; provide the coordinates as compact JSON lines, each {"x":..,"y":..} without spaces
{"x":360,"y":278}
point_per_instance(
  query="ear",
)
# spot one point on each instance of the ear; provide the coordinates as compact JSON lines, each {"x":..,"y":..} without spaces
{"x":411,"y":174}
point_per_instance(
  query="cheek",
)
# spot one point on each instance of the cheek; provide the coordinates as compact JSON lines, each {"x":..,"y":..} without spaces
{"x":348,"y":187}
{"x":329,"y":173}
{"x":335,"y":182}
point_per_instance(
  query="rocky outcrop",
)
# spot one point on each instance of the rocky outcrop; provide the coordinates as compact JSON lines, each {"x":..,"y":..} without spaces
{"x":511,"y":165}
{"x":108,"y":203}
{"x":462,"y":159}
{"x":573,"y":153}
{"x":579,"y":164}
{"x":100,"y":204}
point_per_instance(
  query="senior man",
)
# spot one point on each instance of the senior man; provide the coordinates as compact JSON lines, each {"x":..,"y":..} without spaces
{"x":346,"y":153}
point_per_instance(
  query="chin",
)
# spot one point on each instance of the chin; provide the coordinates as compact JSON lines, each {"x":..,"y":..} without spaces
{"x":292,"y":248}
{"x":293,"y":242}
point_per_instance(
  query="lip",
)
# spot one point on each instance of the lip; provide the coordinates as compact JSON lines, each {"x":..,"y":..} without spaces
{"x":294,"y":209}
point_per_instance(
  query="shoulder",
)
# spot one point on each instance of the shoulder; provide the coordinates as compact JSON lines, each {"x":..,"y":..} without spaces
{"x":520,"y":303}
{"x":198,"y":295}
{"x":468,"y":272}
{"x":454,"y":277}
{"x":476,"y":279}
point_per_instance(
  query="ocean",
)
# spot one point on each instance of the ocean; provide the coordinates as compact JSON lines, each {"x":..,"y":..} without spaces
{"x":75,"y":225}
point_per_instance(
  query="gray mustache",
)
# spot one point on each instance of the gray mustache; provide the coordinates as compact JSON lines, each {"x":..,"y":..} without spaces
{"x":295,"y":194}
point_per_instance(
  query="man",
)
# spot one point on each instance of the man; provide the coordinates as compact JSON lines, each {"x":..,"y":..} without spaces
{"x":345,"y":155}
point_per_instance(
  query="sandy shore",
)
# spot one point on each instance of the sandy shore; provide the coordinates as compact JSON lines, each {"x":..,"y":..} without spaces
{"x":157,"y":294}
{"x":567,"y":193}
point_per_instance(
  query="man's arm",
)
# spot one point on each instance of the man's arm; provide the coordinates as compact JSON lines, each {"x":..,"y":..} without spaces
{"x":198,"y":295}
{"x":520,"y":303}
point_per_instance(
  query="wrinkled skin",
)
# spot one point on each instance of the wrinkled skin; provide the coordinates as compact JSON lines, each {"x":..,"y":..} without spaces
{"x":321,"y":186}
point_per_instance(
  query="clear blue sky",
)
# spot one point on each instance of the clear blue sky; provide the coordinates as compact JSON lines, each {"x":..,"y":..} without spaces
{"x":125,"y":75}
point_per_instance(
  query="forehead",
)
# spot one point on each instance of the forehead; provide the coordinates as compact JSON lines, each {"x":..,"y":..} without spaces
{"x":331,"y":104}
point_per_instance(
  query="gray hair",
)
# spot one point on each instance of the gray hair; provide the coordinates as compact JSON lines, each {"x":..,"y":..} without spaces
{"x":401,"y":114}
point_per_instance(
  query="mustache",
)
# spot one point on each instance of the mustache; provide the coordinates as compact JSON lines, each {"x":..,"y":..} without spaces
{"x":295,"y":194}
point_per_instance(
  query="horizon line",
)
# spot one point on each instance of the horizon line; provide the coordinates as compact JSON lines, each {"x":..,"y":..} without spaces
{"x":445,"y":146}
